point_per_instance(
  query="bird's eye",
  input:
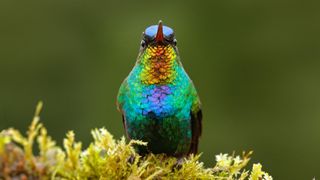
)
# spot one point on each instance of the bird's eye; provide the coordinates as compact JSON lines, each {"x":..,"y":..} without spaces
{"x":143,"y":43}
{"x":174,"y":42}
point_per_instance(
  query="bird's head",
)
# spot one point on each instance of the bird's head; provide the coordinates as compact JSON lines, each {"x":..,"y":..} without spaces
{"x":158,"y":35}
{"x":158,"y":40}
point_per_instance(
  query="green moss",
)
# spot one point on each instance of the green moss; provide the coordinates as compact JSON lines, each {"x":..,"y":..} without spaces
{"x":106,"y":158}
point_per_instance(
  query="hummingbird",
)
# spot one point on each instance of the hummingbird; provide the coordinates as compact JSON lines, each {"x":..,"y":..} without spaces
{"x":158,"y":100}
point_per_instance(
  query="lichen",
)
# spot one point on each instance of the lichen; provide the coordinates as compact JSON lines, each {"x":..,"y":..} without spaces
{"x":106,"y":158}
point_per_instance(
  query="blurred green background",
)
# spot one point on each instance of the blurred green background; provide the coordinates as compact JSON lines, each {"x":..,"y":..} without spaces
{"x":255,"y":64}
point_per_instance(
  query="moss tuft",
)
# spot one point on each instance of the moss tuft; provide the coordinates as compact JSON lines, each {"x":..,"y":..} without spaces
{"x":106,"y":158}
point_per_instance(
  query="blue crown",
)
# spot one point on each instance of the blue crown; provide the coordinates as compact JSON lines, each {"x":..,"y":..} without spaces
{"x":151,"y":31}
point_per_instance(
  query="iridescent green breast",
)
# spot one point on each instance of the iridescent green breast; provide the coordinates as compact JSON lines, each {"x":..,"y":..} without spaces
{"x":158,"y":102}
{"x":159,"y":114}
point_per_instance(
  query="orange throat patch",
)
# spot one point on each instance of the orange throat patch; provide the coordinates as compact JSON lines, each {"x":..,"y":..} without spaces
{"x":158,"y":65}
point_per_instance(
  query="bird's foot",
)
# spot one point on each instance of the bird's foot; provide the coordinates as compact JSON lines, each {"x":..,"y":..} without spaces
{"x":179,"y":163}
{"x":131,"y":159}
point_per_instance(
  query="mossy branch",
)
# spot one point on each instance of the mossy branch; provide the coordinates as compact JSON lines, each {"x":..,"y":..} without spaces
{"x":106,"y":158}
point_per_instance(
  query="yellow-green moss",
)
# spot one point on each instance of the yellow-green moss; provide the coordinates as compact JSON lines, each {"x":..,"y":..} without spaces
{"x":106,"y":158}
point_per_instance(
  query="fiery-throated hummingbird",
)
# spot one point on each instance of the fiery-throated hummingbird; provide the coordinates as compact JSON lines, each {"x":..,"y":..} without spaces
{"x":158,"y":101}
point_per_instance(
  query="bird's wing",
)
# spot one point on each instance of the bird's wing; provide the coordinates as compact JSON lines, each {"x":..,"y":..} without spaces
{"x":125,"y":125}
{"x":196,"y":127}
{"x":120,"y":99}
{"x":196,"y":121}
